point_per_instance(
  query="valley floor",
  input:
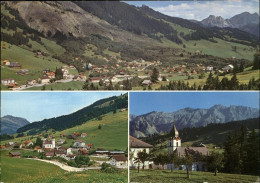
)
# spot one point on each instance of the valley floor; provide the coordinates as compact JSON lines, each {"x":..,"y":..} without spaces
{"x":161,"y":176}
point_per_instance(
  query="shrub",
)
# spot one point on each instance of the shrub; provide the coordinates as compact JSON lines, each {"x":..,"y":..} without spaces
{"x":107,"y":168}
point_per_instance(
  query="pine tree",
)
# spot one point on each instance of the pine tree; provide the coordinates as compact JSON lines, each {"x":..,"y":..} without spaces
{"x":155,"y":75}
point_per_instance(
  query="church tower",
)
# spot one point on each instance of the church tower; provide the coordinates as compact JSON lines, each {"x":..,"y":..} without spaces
{"x":174,"y":141}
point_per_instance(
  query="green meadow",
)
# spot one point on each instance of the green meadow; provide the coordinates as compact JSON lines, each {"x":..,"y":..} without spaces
{"x":20,"y":170}
{"x":179,"y":176}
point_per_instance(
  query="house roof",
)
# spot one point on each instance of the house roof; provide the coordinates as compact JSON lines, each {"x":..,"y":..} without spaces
{"x":79,"y":141}
{"x":49,"y":153}
{"x":119,"y":158}
{"x":60,"y":152}
{"x":134,"y":142}
{"x":47,"y":142}
{"x":181,"y":150}
{"x":15,"y":153}
{"x":83,"y":150}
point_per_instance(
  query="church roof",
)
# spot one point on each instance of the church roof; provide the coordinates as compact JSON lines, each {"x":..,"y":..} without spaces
{"x":134,"y":142}
{"x":174,"y":132}
{"x":181,"y":150}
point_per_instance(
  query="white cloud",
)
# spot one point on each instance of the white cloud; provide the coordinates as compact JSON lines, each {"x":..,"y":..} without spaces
{"x":200,"y":10}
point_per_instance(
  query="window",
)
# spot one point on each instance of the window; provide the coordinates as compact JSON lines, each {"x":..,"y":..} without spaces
{"x":177,"y":144}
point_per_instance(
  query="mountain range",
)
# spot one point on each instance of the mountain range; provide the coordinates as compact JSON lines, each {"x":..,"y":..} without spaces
{"x":10,"y":124}
{"x":162,"y":122}
{"x":245,"y":21}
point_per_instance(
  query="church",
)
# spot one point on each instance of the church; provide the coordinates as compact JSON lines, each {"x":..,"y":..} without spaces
{"x":174,"y":145}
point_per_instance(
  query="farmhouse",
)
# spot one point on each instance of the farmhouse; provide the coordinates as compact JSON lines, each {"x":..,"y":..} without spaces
{"x":44,"y":80}
{"x":119,"y":161}
{"x":14,"y":154}
{"x":49,"y":154}
{"x":66,"y":150}
{"x":7,"y":81}
{"x":228,"y":68}
{"x":60,"y":141}
{"x":22,"y":72}
{"x":137,"y":146}
{"x":15,"y":65}
{"x":90,"y":146}
{"x":49,"y":144}
{"x":82,"y":152}
{"x":83,"y":135}
{"x":79,"y":144}
{"x":174,"y":146}
{"x":6,"y":62}
{"x":18,"y":146}
{"x":27,"y":143}
{"x":50,"y":75}
{"x":146,"y":82}
{"x":72,"y":136}
{"x":31,"y":82}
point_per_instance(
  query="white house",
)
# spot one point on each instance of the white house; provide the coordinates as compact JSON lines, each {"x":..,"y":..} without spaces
{"x":137,"y":146}
{"x":209,"y":69}
{"x":44,"y":80}
{"x":31,"y":82}
{"x":49,"y":144}
{"x":174,"y":146}
{"x":79,"y":144}
{"x":7,"y":81}
{"x":60,"y":141}
{"x":119,"y":161}
{"x":228,"y":68}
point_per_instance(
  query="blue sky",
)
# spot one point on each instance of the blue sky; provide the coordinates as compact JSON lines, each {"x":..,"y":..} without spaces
{"x":144,"y":102}
{"x":199,"y":10}
{"x":35,"y":106}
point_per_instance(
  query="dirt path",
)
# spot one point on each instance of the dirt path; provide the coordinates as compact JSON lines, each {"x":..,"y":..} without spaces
{"x":66,"y":167}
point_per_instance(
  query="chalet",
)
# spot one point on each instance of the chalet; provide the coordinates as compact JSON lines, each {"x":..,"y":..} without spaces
{"x":6,"y":62}
{"x":67,"y":150}
{"x":137,"y":146}
{"x":174,"y":146}
{"x":79,"y":144}
{"x":15,"y":65}
{"x":44,"y":80}
{"x":12,"y":85}
{"x":60,"y":153}
{"x":94,"y":79}
{"x":72,"y":136}
{"x":76,"y":78}
{"x":209,"y":69}
{"x":228,"y":68}
{"x":62,"y":135}
{"x":146,"y":82}
{"x":119,"y":161}
{"x":60,"y":141}
{"x":82,"y":77}
{"x":69,"y":157}
{"x":49,"y":144}
{"x":18,"y":146}
{"x":65,"y":73}
{"x":31,"y":82}
{"x":49,"y":154}
{"x":50,"y":75}
{"x":46,"y":71}
{"x":90,"y":146}
{"x":77,"y":134}
{"x":83,"y":135}
{"x":22,"y":72}
{"x":14,"y":154}
{"x":38,"y":149}
{"x":7,"y":81}
{"x":82,"y":152}
{"x":10,"y":143}
{"x":27,"y":143}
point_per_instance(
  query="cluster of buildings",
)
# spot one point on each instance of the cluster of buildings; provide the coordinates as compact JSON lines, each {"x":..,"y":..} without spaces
{"x":174,"y":146}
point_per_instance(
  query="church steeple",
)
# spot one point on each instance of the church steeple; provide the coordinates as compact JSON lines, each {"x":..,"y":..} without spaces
{"x":174,"y":141}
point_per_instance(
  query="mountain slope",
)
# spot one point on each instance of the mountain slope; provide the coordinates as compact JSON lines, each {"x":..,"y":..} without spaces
{"x":79,"y":117}
{"x":161,"y":122}
{"x":10,"y":124}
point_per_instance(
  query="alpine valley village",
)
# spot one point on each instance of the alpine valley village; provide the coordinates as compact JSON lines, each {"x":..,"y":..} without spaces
{"x":89,"y":145}
{"x":117,"y":46}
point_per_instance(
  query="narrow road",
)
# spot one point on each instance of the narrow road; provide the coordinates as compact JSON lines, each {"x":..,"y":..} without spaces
{"x":66,"y":167}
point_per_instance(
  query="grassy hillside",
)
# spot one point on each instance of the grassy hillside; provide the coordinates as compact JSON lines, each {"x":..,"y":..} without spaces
{"x":19,"y":170}
{"x":180,"y":177}
{"x":112,"y":135}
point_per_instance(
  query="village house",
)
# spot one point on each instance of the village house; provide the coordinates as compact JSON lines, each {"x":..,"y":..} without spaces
{"x":14,"y":65}
{"x":44,"y":80}
{"x":50,"y":75}
{"x":2,"y":147}
{"x":10,"y":143}
{"x":90,"y":146}
{"x":49,"y":154}
{"x":69,"y":157}
{"x":38,"y":149}
{"x":79,"y":144}
{"x":22,"y":72}
{"x":119,"y":161}
{"x":76,"y":78}
{"x":18,"y":146}
{"x":83,"y":134}
{"x":67,"y":150}
{"x":14,"y":154}
{"x":94,"y":79}
{"x":146,"y":82}
{"x":137,"y":146}
{"x":7,"y":81}
{"x":62,"y":135}
{"x":60,"y":153}
{"x":82,"y":152}
{"x":72,"y":136}
{"x":60,"y":141}
{"x":102,"y":153}
{"x":6,"y":62}
{"x":27,"y":143}
{"x":174,"y":146}
{"x":49,"y":144}
{"x":116,"y":153}
{"x":228,"y":68}
{"x":31,"y":82}
{"x":209,"y":68}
